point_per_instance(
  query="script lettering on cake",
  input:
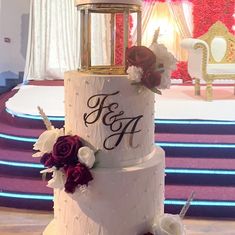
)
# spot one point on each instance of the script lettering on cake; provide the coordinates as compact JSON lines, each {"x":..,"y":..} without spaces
{"x":113,"y":118}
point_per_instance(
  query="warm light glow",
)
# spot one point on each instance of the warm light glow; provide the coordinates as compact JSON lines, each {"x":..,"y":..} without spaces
{"x":161,"y":15}
{"x":160,"y":18}
{"x":166,"y":29}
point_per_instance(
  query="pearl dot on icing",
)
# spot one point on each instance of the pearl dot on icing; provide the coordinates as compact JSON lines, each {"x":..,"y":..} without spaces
{"x":77,"y":93}
{"x":76,"y":218}
{"x":87,"y":82}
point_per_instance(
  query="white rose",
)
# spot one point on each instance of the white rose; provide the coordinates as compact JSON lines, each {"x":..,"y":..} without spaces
{"x":57,"y":180}
{"x":86,"y":156}
{"x":135,"y":73}
{"x":47,"y":140}
{"x":163,"y":56}
{"x":169,"y":225}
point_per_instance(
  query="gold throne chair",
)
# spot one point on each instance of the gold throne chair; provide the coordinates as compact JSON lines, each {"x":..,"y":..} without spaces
{"x":211,"y":57}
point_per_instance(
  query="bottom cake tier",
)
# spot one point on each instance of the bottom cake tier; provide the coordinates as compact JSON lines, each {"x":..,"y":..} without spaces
{"x":119,"y":201}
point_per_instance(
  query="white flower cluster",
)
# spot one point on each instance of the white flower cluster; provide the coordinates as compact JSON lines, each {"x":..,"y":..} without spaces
{"x":169,"y":225}
{"x":135,"y":73}
{"x":164,"y":57}
{"x":45,"y":144}
{"x":46,"y":141}
{"x":86,"y":156}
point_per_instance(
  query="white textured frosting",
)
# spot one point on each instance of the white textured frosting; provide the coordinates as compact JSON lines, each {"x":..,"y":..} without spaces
{"x":81,"y":2}
{"x":128,"y":105}
{"x":119,"y":201}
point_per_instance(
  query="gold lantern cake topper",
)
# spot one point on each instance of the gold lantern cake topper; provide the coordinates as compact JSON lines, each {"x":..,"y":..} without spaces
{"x":111,"y":7}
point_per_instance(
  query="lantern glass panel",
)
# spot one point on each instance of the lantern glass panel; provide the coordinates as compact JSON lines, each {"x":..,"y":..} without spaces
{"x":100,"y":39}
{"x":99,"y":35}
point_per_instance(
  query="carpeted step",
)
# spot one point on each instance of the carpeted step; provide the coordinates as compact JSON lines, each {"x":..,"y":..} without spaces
{"x":26,"y":131}
{"x":12,"y":154}
{"x":209,"y":193}
{"x":199,"y":150}
{"x":19,"y":163}
{"x":25,"y":193}
{"x":27,"y":121}
{"x":23,"y":185}
{"x":197,"y":145}
{"x":195,"y":138}
{"x":200,"y":163}
{"x":192,"y":171}
{"x":213,"y":201}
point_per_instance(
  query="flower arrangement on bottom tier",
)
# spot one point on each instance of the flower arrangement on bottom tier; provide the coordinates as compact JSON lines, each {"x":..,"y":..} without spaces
{"x":168,"y":224}
{"x":66,"y":157}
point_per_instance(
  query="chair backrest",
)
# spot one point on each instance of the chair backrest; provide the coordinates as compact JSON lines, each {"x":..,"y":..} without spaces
{"x":221,"y":44}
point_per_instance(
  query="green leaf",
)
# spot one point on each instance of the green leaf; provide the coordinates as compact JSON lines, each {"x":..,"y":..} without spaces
{"x":155,"y":90}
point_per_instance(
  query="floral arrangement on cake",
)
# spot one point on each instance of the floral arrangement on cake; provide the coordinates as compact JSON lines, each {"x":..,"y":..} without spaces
{"x":65,"y":156}
{"x":169,"y":224}
{"x":150,"y":67}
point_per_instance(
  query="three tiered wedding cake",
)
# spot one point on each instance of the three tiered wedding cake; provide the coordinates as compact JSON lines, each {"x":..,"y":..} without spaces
{"x":108,"y":174}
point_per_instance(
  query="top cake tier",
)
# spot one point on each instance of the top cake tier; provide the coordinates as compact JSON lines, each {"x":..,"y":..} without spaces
{"x":82,"y":2}
{"x":112,"y":116}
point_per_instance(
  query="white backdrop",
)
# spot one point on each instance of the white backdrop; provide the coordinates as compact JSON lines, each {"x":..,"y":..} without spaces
{"x":53,"y":43}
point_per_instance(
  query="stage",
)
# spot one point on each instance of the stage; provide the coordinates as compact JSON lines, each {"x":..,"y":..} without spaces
{"x":179,"y":102}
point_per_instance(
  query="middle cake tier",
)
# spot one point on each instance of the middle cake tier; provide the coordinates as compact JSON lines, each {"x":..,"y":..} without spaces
{"x":112,"y":115}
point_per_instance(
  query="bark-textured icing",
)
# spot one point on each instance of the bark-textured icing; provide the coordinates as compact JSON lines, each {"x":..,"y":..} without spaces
{"x":119,"y":201}
{"x":111,"y":115}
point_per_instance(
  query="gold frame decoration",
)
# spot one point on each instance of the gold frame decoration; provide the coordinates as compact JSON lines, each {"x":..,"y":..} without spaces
{"x":85,"y":31}
{"x":217,"y":29}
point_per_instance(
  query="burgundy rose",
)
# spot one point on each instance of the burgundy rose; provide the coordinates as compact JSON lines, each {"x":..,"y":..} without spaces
{"x":140,"y":56}
{"x":65,"y":150}
{"x":47,"y":160}
{"x":77,"y":175}
{"x":151,"y":79}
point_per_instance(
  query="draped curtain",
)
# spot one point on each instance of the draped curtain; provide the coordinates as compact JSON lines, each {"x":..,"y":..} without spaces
{"x":171,"y":18}
{"x":53,"y":39}
{"x":180,"y":12}
{"x":54,"y":43}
